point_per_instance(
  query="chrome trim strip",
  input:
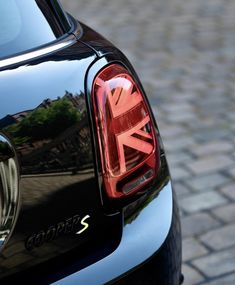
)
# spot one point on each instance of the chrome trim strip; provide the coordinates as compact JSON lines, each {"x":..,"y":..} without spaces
{"x":37,"y":53}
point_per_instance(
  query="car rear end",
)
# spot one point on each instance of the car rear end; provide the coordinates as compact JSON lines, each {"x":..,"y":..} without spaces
{"x":96,"y":200}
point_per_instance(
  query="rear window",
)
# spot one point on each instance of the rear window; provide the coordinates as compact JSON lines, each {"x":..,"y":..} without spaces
{"x":26,"y":24}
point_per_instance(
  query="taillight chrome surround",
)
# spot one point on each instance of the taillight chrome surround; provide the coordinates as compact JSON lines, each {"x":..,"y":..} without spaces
{"x":126,"y":133}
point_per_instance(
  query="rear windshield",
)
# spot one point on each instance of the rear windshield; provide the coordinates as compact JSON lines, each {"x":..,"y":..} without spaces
{"x":26,"y":24}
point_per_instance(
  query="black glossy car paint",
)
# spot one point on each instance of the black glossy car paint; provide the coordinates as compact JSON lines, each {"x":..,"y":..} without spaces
{"x":47,"y":114}
{"x":56,"y":160}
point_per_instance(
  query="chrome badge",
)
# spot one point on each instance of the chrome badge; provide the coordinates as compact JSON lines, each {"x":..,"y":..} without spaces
{"x":9,"y":189}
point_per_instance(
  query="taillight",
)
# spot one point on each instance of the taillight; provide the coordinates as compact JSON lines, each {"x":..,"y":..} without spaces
{"x":127,"y":140}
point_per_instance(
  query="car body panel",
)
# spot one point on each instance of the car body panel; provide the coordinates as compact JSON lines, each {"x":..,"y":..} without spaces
{"x":43,"y":113}
{"x":142,"y":238}
{"x":47,"y":115}
{"x":147,"y":217}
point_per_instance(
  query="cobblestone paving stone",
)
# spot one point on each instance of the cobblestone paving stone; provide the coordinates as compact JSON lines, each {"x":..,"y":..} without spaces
{"x":184,"y":54}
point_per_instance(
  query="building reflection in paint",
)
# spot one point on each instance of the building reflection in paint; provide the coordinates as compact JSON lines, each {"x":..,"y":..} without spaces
{"x":53,"y":137}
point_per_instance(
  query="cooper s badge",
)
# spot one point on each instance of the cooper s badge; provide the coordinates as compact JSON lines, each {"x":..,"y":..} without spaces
{"x":9,"y":189}
{"x":76,"y":225}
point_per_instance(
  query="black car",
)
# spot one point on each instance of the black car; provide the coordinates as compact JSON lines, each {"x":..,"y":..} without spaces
{"x":85,"y":191}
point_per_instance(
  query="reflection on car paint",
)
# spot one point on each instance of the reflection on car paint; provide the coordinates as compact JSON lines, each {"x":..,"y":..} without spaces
{"x":53,"y":137}
{"x":43,"y":111}
{"x":9,"y":189}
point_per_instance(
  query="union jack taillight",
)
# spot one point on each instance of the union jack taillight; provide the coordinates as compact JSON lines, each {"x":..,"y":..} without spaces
{"x":127,"y":139}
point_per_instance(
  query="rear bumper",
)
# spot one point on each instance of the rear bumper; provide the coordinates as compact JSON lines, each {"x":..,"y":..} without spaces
{"x":142,"y":238}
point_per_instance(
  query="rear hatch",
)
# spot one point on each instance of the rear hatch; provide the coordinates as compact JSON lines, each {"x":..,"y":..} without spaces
{"x":61,"y":226}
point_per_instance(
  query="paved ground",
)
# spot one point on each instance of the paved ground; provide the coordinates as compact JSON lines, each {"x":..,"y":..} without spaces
{"x":184,"y":52}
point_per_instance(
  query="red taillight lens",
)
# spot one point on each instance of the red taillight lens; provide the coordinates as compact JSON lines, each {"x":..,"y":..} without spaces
{"x":127,"y":140}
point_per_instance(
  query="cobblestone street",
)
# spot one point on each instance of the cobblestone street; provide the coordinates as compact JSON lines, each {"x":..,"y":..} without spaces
{"x":184,"y":53}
